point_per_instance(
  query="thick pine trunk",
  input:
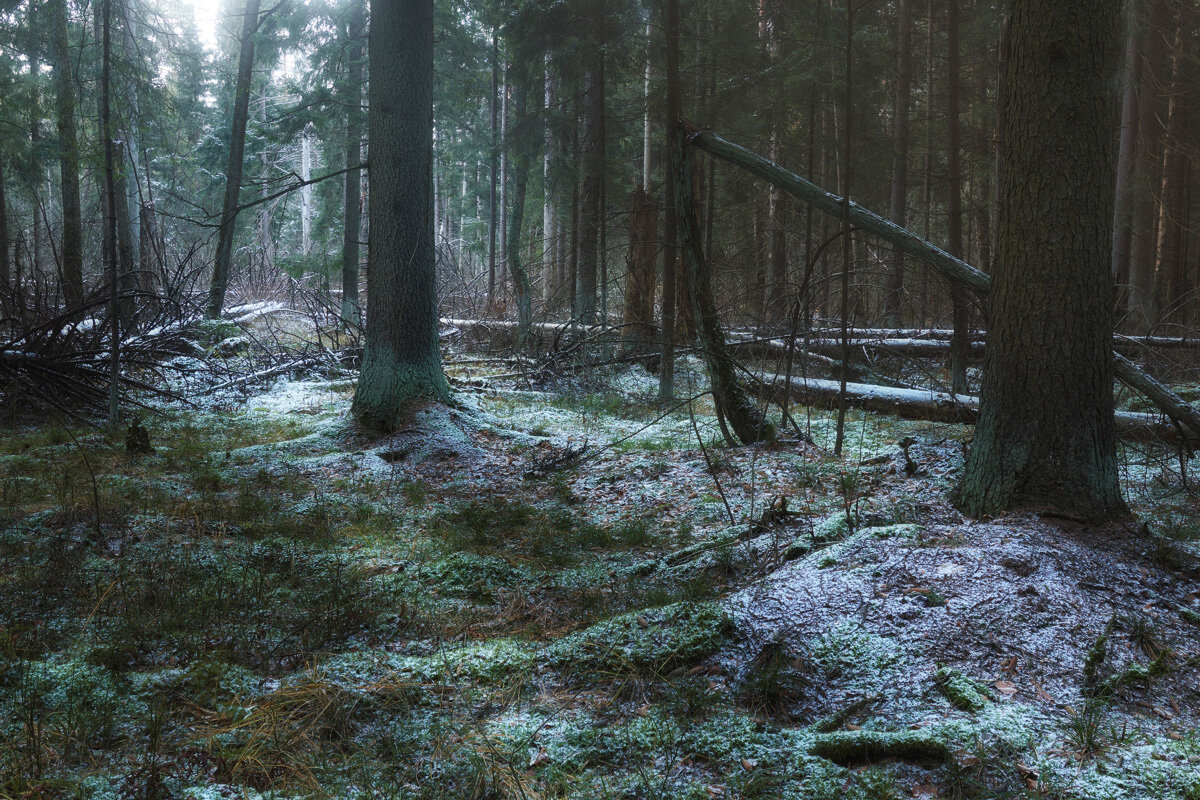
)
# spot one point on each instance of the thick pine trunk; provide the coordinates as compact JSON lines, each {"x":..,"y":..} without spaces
{"x":352,"y":185}
{"x":233,"y":172}
{"x":71,"y":255}
{"x":401,"y":364}
{"x":1045,"y":436}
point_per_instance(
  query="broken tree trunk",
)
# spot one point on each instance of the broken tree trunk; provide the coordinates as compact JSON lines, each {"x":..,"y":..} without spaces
{"x":953,"y":269}
{"x":925,"y":404}
{"x":731,"y":400}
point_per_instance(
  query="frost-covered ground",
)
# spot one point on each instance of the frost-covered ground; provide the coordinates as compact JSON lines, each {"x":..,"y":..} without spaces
{"x":571,"y":590}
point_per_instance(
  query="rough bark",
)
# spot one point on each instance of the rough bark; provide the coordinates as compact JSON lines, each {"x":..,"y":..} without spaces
{"x":1172,"y":279}
{"x":401,"y":364}
{"x":71,"y":253}
{"x":1045,"y":436}
{"x":493,"y":172}
{"x":550,"y":141}
{"x":897,"y":210}
{"x":731,"y":401}
{"x":233,"y":172}
{"x":352,"y":186}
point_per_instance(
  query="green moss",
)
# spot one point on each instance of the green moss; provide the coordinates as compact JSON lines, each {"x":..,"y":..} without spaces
{"x":651,"y":641}
{"x":962,"y":692}
{"x":485,"y":663}
{"x":473,"y":576}
{"x":852,"y":748}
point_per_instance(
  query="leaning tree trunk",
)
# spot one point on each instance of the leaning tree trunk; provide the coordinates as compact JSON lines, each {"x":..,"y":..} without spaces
{"x":953,"y":269}
{"x":233,"y":172}
{"x":68,"y":158}
{"x":732,"y":403}
{"x":352,"y":188}
{"x":1045,"y":436}
{"x":401,"y":364}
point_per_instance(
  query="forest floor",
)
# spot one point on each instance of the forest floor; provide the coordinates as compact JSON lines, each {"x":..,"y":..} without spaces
{"x":571,"y":591}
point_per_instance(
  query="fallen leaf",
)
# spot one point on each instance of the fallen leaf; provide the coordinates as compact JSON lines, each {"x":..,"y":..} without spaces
{"x":749,"y":764}
{"x":539,"y":758}
{"x":1010,"y":667}
{"x":1041,"y":693}
{"x":1005,"y":688}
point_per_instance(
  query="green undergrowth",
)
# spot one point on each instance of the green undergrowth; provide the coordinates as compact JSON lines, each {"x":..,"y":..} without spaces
{"x":259,"y":610}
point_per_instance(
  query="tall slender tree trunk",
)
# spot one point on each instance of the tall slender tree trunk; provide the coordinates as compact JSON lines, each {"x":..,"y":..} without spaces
{"x":898,"y":207}
{"x":233,"y":172}
{"x":666,"y":367}
{"x":593,"y":178}
{"x":1143,"y":310}
{"x":1127,"y":151}
{"x":1172,"y":223}
{"x":111,"y":213}
{"x":493,"y":172}
{"x":776,"y":199}
{"x":352,"y":185}
{"x":1045,"y":436}
{"x":960,"y":343}
{"x":131,"y":256}
{"x":550,"y":140}
{"x":401,"y":364}
{"x":71,"y":253}
{"x":5,"y":243}
{"x":519,"y":168}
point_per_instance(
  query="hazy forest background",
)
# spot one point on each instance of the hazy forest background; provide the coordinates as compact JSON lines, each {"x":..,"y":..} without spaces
{"x":505,"y":399}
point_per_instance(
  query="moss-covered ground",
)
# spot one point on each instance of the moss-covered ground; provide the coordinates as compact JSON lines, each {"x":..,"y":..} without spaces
{"x":273,"y":605}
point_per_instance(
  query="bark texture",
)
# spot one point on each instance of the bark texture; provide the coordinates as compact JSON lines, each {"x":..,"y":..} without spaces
{"x":897,"y":211}
{"x":401,"y":364}
{"x":1045,"y":436}
{"x":638,"y":319}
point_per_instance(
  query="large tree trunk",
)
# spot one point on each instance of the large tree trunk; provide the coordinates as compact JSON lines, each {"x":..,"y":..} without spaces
{"x":400,"y":364}
{"x":233,"y":172}
{"x":352,"y":186}
{"x":71,"y":255}
{"x":733,"y":405}
{"x":1045,"y":436}
{"x":593,"y":179}
{"x":898,"y":208}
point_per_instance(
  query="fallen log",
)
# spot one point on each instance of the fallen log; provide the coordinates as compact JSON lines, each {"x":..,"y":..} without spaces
{"x":953,"y":269}
{"x":933,"y":406}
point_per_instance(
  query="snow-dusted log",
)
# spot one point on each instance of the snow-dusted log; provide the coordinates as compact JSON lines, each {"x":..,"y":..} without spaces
{"x":926,"y":404}
{"x":953,"y":269}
